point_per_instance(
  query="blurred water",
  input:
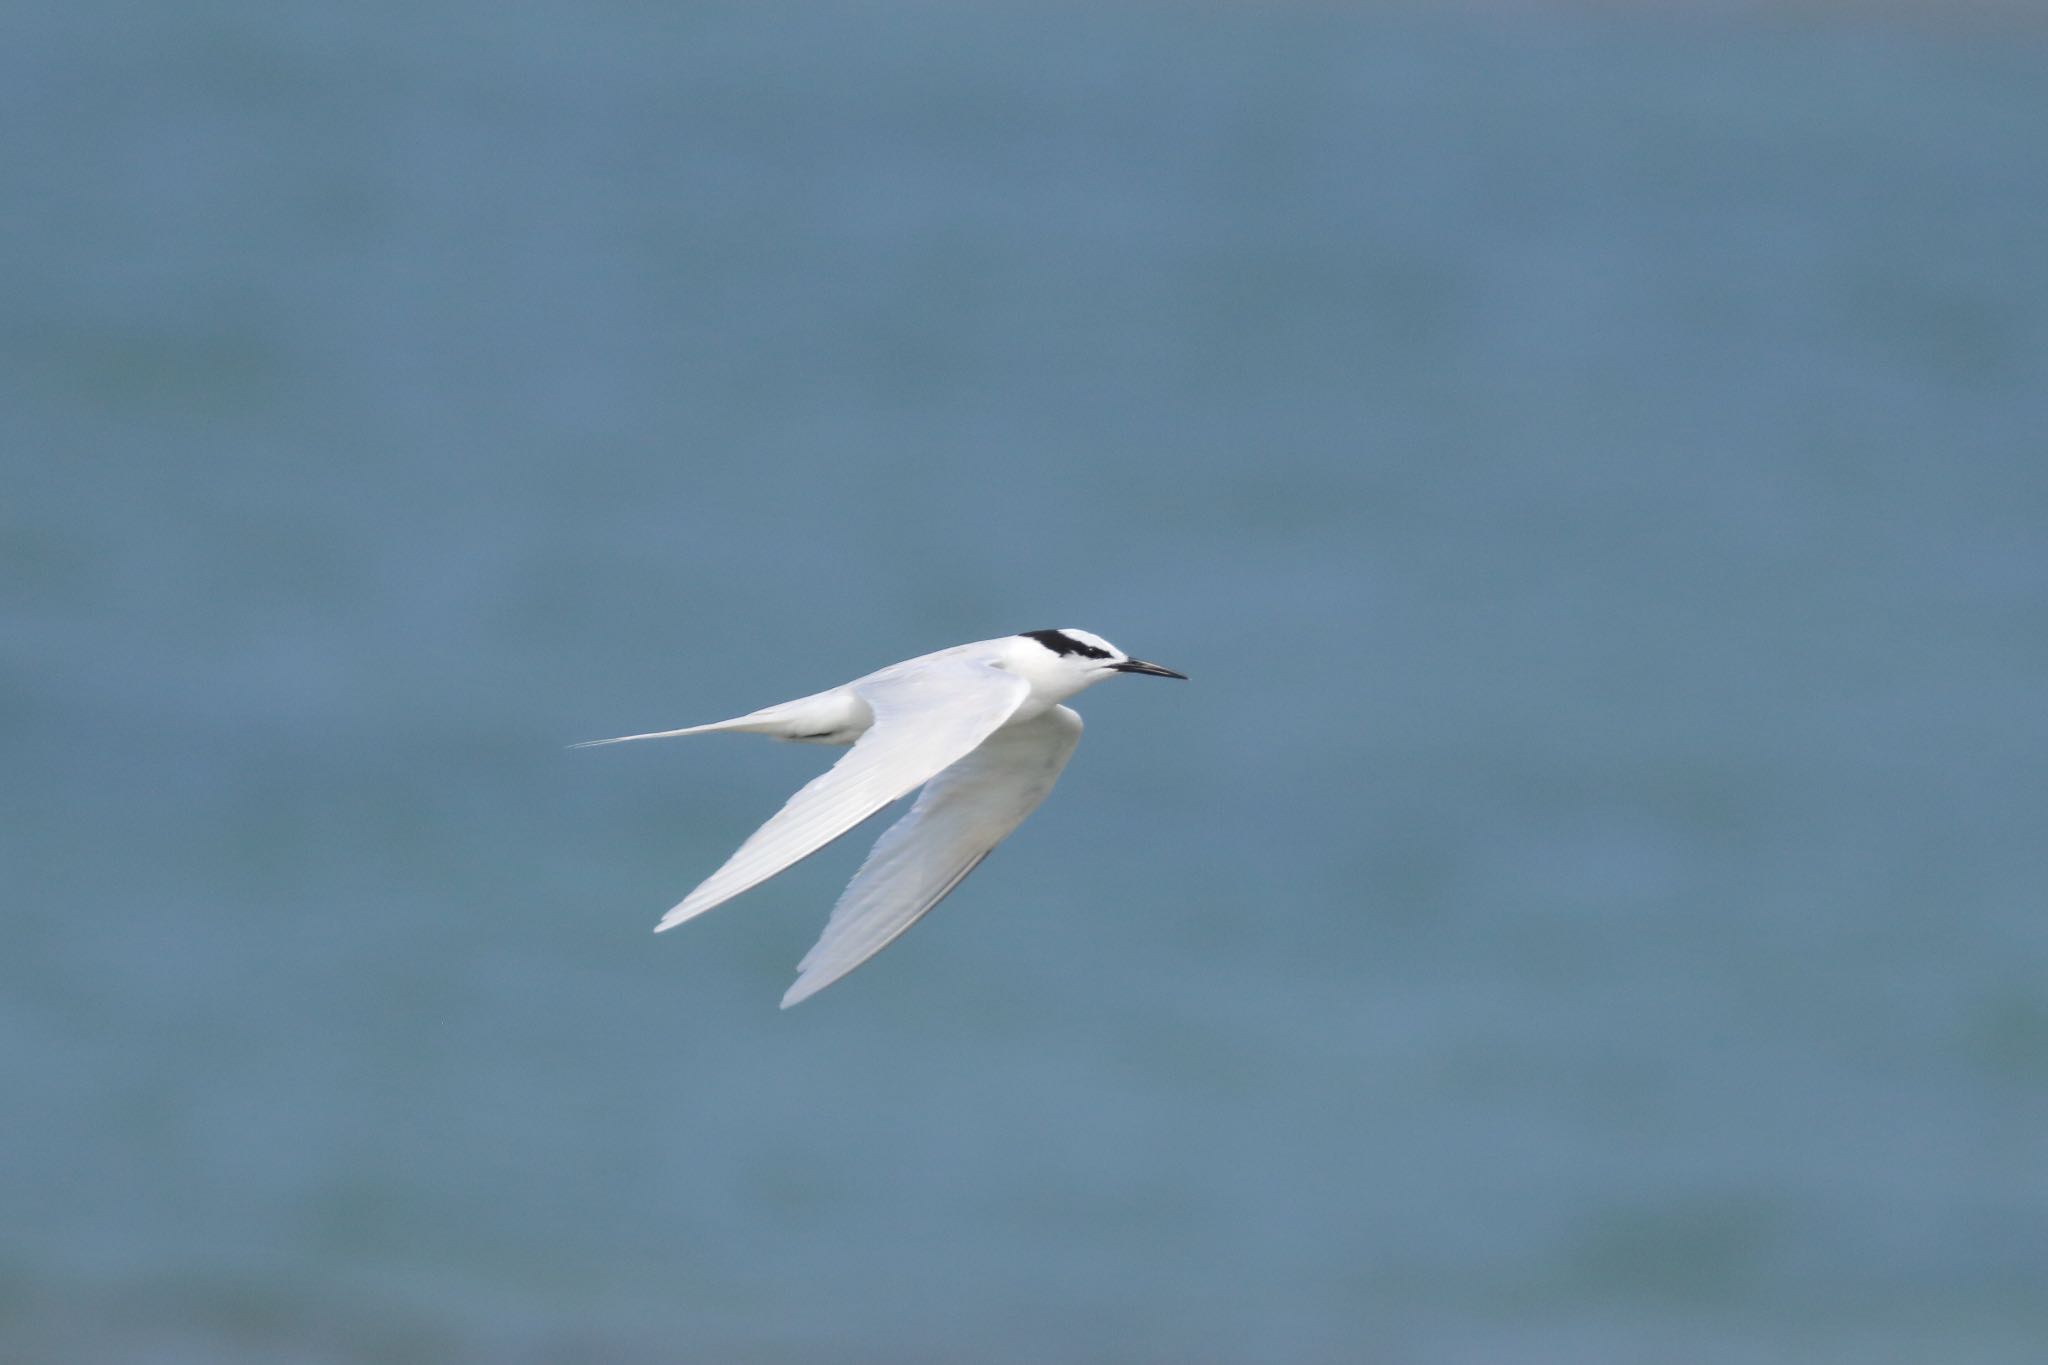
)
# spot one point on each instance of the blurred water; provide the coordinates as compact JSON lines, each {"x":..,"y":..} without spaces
{"x":1586,"y":907}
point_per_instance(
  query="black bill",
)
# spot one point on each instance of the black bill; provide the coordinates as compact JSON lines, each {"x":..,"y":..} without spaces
{"x":1140,"y":666}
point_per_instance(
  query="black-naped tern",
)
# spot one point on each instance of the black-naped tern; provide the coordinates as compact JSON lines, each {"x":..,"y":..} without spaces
{"x":979,"y":727}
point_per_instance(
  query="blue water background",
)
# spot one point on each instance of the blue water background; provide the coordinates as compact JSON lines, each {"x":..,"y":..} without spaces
{"x":1589,"y":905}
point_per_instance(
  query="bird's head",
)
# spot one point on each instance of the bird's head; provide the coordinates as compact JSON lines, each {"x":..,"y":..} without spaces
{"x":1065,"y":661}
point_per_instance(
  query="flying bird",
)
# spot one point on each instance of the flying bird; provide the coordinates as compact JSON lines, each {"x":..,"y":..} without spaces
{"x":978,"y":726}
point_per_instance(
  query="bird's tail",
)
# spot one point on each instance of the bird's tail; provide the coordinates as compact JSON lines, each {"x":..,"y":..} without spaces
{"x":804,"y":718}
{"x":758,"y":722}
{"x":658,"y":734}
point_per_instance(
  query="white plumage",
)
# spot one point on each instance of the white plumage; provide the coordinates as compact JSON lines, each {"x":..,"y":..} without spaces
{"x":979,"y":726}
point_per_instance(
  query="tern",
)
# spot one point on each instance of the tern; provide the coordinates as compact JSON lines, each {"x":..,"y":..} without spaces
{"x":978,"y":726}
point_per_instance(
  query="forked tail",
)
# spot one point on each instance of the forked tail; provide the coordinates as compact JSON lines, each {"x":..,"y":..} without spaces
{"x":803,"y":718}
{"x":653,"y":734}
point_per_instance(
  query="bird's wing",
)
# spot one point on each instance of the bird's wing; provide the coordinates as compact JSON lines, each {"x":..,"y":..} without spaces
{"x":924,"y":720}
{"x":962,"y":814}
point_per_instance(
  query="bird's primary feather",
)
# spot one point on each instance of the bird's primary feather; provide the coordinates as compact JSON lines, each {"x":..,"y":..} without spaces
{"x":962,"y":814}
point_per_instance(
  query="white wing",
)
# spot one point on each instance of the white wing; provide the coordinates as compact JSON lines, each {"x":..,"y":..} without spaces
{"x":966,"y":811}
{"x":926,"y":718}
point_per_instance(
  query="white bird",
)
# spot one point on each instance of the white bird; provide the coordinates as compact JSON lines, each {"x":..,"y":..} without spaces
{"x":979,"y":727}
